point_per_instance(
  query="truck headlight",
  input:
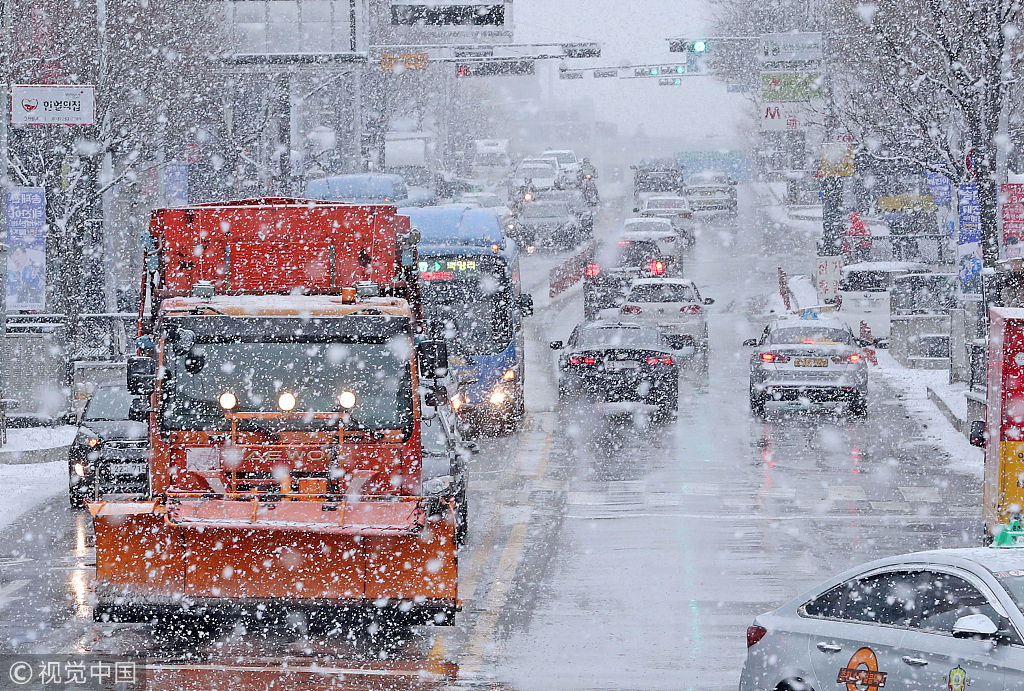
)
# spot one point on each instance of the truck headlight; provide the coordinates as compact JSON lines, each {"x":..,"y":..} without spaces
{"x":79,"y":470}
{"x":227,"y":400}
{"x":347,"y":399}
{"x":286,"y":401}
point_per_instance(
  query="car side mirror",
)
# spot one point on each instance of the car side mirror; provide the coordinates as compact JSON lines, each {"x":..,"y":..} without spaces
{"x":141,"y":375}
{"x":556,"y":345}
{"x":525,"y":304}
{"x":138,"y":411}
{"x":636,"y":209}
{"x":433,"y":358}
{"x":430,"y":399}
{"x":750,"y":343}
{"x":978,"y":436}
{"x":975,"y":626}
{"x":709,"y":301}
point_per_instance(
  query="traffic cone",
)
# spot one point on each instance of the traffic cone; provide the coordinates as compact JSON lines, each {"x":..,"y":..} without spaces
{"x":869,"y":351}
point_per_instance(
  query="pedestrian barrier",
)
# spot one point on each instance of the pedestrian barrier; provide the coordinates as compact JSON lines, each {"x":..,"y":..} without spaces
{"x":569,"y":272}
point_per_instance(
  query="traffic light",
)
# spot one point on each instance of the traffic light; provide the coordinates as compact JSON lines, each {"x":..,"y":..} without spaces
{"x":697,"y":46}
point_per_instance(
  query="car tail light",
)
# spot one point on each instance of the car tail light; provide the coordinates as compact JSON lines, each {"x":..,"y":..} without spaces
{"x":593,"y":270}
{"x":582,"y":360}
{"x":851,"y":359}
{"x":630,"y":309}
{"x":690,"y":309}
{"x":774,"y":357}
{"x":754,"y":634}
{"x":625,"y":242}
{"x":656,"y":267}
{"x":659,"y":361}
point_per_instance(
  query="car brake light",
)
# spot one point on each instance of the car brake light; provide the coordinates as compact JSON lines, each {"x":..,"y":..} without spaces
{"x":582,"y":360}
{"x":93,"y":442}
{"x":593,"y":270}
{"x":851,"y":359}
{"x":659,"y":361}
{"x":656,"y":267}
{"x":630,"y":309}
{"x":625,"y":242}
{"x":754,"y":634}
{"x":690,"y":309}
{"x":774,"y":357}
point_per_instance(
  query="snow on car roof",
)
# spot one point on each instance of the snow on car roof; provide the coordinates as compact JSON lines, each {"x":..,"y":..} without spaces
{"x":648,"y":234}
{"x":915,"y":267}
{"x":793,"y":321}
{"x":661,"y":281}
{"x":666,"y":197}
{"x":647,"y":221}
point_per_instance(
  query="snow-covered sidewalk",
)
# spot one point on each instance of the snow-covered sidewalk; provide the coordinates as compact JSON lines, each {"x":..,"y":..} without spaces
{"x":36,"y":444}
{"x":913,"y":388}
{"x":33,"y":468}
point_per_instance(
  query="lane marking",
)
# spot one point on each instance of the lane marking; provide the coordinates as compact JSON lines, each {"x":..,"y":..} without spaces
{"x":497,"y":596}
{"x":7,"y":592}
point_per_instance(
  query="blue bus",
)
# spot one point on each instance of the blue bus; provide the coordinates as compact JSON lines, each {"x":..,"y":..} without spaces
{"x":469,"y":279}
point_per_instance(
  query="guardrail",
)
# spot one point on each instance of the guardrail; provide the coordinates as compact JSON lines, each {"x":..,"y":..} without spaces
{"x":569,"y":272}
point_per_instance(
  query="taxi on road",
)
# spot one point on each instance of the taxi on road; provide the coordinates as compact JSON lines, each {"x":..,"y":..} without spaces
{"x":946,"y":619}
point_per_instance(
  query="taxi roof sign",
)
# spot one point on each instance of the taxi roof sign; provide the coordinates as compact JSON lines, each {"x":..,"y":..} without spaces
{"x":1011,"y":536}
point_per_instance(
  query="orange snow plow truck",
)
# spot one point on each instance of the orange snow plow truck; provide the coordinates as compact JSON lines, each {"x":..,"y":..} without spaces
{"x":279,"y":363}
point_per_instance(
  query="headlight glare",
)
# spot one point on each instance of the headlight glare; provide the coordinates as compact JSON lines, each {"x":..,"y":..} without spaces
{"x":227,"y":400}
{"x":286,"y":401}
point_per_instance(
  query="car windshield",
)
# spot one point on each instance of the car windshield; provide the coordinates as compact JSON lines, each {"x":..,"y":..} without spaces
{"x":258,"y":374}
{"x":667,"y":204}
{"x":491,"y":159}
{"x":546,"y":210}
{"x":866,"y":281}
{"x":810,"y":335}
{"x":662,"y":292}
{"x":535,"y":171}
{"x":653,"y":224}
{"x":618,"y":337}
{"x":108,"y":403}
{"x":470,"y":307}
{"x":484,"y":201}
{"x":562,"y":157}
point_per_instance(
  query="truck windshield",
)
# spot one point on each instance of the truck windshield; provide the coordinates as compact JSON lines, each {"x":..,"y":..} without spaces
{"x":108,"y":403}
{"x":316,"y":374}
{"x":471,"y":308}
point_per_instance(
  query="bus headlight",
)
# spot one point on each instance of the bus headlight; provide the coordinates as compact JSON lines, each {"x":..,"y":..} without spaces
{"x":347,"y":399}
{"x":79,"y":470}
{"x":227,"y":400}
{"x":498,"y":396}
{"x":457,"y":403}
{"x":286,"y":401}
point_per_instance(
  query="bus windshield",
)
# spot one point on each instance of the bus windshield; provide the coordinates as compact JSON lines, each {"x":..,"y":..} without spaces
{"x":469,"y":302}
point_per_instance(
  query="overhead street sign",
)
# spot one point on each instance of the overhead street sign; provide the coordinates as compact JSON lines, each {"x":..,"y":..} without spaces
{"x":582,"y":50}
{"x":498,"y":67}
{"x":408,"y":61}
{"x":790,"y":86}
{"x":792,"y":47}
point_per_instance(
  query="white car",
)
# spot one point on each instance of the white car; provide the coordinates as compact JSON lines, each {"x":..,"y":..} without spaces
{"x":947,"y":620}
{"x":659,"y":230}
{"x":676,"y":209}
{"x":674,"y":305}
{"x":542,"y":172}
{"x":567,"y":161}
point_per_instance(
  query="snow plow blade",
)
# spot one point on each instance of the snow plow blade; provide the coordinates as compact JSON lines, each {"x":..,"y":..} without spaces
{"x":214,"y":552}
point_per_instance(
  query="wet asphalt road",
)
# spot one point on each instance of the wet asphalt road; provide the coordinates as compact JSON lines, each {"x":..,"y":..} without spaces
{"x":604,"y":552}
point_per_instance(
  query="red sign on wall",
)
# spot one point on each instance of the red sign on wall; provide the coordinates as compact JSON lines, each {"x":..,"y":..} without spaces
{"x":1011,"y":196}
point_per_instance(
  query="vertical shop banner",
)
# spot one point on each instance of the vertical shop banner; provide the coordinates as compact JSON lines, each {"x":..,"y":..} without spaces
{"x":1011,"y":209}
{"x":175,"y":182}
{"x":969,"y":239}
{"x":26,"y":248}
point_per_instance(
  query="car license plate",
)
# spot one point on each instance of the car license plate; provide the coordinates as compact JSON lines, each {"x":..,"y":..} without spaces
{"x":126,"y":468}
{"x":621,"y":365}
{"x":811,"y":362}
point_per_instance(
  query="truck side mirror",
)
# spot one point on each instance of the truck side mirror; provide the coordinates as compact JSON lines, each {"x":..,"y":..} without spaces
{"x":138,"y":411}
{"x":750,"y":343}
{"x":526,"y":304}
{"x":978,"y":435}
{"x":556,"y":345}
{"x":141,"y":375}
{"x":433,"y":358}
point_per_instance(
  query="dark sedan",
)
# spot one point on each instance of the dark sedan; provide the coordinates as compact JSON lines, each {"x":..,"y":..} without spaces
{"x":607,"y":278}
{"x":613,"y":361}
{"x":110,"y":453}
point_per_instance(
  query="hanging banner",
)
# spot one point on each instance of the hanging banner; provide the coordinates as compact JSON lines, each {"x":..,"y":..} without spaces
{"x":969,"y":239}
{"x":1011,"y":209}
{"x":175,"y":182}
{"x":26,"y":248}
{"x":46,"y":104}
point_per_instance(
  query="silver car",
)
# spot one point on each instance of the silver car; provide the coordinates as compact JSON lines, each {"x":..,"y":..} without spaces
{"x":804,"y":364}
{"x":948,"y":620}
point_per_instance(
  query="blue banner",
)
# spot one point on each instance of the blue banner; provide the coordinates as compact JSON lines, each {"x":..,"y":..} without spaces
{"x":175,"y":174}
{"x":969,"y":239}
{"x":26,"y":248}
{"x":941,"y":188}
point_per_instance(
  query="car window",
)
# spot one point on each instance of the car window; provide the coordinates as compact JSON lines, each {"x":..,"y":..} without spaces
{"x":619,"y":337}
{"x":943,"y":598}
{"x":663,"y":292}
{"x":810,"y":335}
{"x":637,"y":252}
{"x":666,"y":204}
{"x":885,"y":598}
{"x":108,"y":403}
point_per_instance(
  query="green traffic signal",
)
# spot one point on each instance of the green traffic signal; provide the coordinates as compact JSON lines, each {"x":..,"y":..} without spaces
{"x":655,"y":71}
{"x":680,"y":69}
{"x":700,"y":46}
